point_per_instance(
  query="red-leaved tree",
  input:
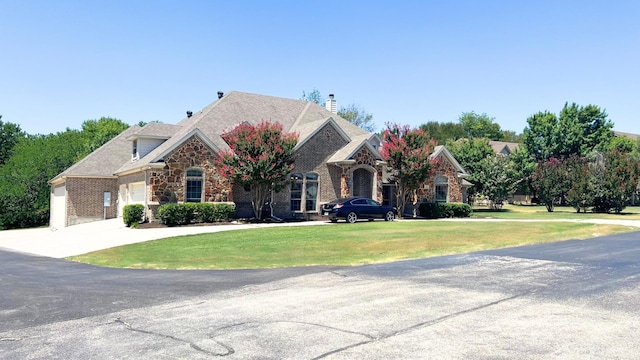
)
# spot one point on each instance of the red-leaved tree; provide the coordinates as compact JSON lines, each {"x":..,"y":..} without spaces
{"x":260,"y":159}
{"x":408,"y":155}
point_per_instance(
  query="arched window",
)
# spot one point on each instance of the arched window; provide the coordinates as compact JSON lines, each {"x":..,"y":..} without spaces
{"x":442,"y":188}
{"x":296,"y":192}
{"x":311,"y":191}
{"x":193,"y":192}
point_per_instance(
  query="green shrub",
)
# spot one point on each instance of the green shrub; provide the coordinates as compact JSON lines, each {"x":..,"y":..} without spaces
{"x":444,"y":210}
{"x":224,"y":211}
{"x":176,"y":214}
{"x":459,"y":210}
{"x":132,"y":214}
{"x":430,"y":210}
{"x":205,"y":213}
{"x":187,"y":213}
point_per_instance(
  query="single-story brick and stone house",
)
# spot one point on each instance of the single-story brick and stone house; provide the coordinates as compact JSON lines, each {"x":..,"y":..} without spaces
{"x":163,"y":163}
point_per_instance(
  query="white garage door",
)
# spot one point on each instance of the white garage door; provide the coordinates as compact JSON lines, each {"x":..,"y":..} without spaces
{"x":58,"y":213}
{"x":136,"y":193}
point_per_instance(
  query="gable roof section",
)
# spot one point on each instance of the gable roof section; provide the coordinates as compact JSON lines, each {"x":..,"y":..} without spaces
{"x":236,"y":107}
{"x":308,"y":130}
{"x":156,"y":157}
{"x":499,"y":146}
{"x":349,"y":151}
{"x":105,"y":160}
{"x":155,"y":131}
{"x":441,"y":150}
{"x":626,"y":134}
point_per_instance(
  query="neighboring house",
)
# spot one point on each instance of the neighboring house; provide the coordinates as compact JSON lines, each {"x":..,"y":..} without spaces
{"x":503,"y":147}
{"x":163,"y":163}
{"x":631,"y":136}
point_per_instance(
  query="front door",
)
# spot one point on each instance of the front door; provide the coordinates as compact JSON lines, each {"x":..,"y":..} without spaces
{"x":362,"y":183}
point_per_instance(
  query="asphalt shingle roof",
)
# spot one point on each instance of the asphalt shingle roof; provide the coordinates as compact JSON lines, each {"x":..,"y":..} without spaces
{"x":215,"y":119}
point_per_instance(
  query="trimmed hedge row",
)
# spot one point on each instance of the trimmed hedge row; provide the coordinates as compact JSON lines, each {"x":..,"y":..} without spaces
{"x":132,"y":215}
{"x":188,"y":213}
{"x":444,"y":210}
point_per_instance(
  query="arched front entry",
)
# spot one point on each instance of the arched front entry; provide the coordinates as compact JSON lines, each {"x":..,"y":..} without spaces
{"x":362,"y":182}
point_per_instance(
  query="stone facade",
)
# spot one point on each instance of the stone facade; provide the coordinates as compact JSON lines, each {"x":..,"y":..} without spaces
{"x":169,"y":183}
{"x":442,"y":168}
{"x":364,"y":159}
{"x":85,"y":199}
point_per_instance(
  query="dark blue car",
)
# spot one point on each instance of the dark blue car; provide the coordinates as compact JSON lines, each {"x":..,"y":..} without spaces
{"x":355,"y":208}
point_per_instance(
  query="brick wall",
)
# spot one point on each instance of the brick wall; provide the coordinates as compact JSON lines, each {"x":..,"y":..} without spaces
{"x":85,"y":199}
{"x":312,"y":157}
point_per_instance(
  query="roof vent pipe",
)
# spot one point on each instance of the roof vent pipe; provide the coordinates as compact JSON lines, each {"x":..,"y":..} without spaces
{"x":189,"y":114}
{"x":220,"y":94}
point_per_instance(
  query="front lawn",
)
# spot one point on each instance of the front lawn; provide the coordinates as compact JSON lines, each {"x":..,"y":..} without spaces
{"x":539,"y":212}
{"x":337,"y":244}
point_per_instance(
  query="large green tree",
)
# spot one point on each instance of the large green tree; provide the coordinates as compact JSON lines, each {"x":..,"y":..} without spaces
{"x":24,"y":188}
{"x":578,"y":130}
{"x":260,"y":159}
{"x":98,"y":132}
{"x":357,"y":115}
{"x":408,"y":155}
{"x":444,"y":132}
{"x":480,"y":126}
{"x":9,"y":136}
{"x":471,"y":153}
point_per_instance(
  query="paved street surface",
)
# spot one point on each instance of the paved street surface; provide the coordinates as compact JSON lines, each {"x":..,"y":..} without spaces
{"x":569,"y":300}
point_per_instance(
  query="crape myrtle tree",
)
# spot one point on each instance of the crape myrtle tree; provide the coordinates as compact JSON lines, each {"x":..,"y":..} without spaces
{"x":497,"y":174}
{"x":616,"y":179}
{"x":580,"y":173}
{"x":550,"y":181}
{"x":260,"y":159}
{"x":408,"y":155}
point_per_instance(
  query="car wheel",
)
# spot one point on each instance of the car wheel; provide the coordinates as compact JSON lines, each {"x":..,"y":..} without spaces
{"x":389,"y":216}
{"x":352,"y":217}
{"x":334,"y":220}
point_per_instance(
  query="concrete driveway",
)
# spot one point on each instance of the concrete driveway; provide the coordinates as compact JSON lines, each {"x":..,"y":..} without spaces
{"x":98,"y":235}
{"x":570,"y":300}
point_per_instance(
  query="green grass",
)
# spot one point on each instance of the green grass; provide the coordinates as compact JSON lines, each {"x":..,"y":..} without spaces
{"x":337,"y":244}
{"x":539,"y":212}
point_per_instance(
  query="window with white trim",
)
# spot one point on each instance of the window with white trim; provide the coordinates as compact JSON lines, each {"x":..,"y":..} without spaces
{"x":442,"y":188}
{"x":193,"y":191}
{"x":311,"y":191}
{"x":304,"y":192}
{"x":296,"y":192}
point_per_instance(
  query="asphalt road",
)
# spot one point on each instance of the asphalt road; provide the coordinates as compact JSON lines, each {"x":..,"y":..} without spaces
{"x":573,"y":299}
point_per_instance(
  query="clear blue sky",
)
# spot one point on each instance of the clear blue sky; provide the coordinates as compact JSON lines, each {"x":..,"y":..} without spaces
{"x":409,"y":62}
